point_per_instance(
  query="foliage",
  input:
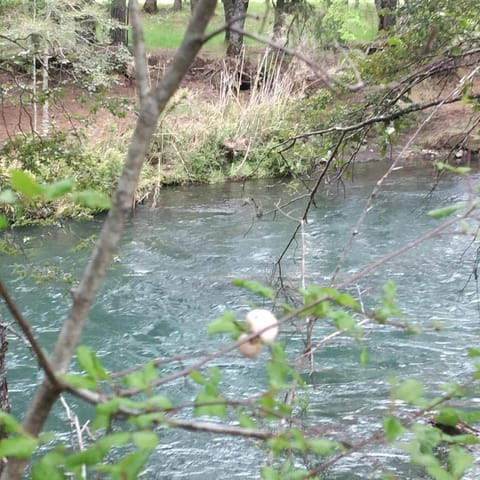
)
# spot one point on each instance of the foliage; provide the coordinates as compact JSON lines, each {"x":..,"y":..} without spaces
{"x":342,"y":24}
{"x":69,"y":35}
{"x":39,"y":173}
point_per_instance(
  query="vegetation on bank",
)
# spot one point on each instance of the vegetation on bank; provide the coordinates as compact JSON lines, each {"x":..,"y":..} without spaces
{"x":239,"y":126}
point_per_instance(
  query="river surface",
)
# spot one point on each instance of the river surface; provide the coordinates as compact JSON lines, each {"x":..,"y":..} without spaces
{"x":172,"y":276}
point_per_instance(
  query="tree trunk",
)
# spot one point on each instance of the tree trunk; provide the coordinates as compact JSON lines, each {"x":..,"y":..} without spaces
{"x":278,"y":20}
{"x":118,"y":11}
{"x":228,"y":8}
{"x":150,"y":6}
{"x":386,"y":14}
{"x":193,"y":4}
{"x":177,"y":5}
{"x":235,"y":42}
{"x":4,"y":402}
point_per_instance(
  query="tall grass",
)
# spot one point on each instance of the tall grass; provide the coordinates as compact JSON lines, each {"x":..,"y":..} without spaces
{"x":227,"y":138}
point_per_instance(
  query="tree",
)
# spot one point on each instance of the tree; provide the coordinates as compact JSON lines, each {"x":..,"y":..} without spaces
{"x":118,"y":11}
{"x":152,"y":104}
{"x":150,"y":6}
{"x":386,"y":13}
{"x":235,"y":15}
{"x":177,"y":5}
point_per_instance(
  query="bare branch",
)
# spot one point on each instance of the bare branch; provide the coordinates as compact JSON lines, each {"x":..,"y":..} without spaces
{"x":27,"y":331}
{"x":150,"y":109}
{"x":220,"y":429}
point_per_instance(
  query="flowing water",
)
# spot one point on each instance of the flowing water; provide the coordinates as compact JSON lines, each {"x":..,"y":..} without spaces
{"x":172,"y":276}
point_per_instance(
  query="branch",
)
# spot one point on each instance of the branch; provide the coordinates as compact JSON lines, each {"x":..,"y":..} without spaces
{"x":329,"y":81}
{"x":220,"y":429}
{"x":27,"y":331}
{"x":387,"y":117}
{"x":150,"y":109}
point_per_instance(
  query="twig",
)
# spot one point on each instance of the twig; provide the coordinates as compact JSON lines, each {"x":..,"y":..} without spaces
{"x":27,"y":331}
{"x":75,"y":425}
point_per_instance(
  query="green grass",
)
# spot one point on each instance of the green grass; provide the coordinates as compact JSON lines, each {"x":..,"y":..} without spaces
{"x":166,"y":28}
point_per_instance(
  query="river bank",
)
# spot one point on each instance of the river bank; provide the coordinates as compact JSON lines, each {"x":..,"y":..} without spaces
{"x":213,"y":133}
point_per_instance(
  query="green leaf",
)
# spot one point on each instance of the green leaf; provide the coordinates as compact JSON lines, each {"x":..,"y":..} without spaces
{"x":269,"y":473}
{"x":9,"y":423}
{"x":224,"y":324}
{"x":448,"y":416}
{"x":54,"y":190}
{"x":246,"y":421}
{"x":47,"y":467}
{"x":474,"y":352}
{"x":145,"y":440}
{"x":25,"y":183}
{"x":147,"y":420}
{"x":342,"y":320}
{"x":346,"y":300}
{"x":197,"y":377}
{"x":446,"y":211}
{"x":131,"y":465}
{"x":438,"y":473}
{"x":142,"y":379}
{"x":410,"y":391}
{"x":297,"y":440}
{"x":8,"y":196}
{"x":392,"y":428}
{"x":394,"y":41}
{"x":18,"y":447}
{"x":113,"y":440}
{"x":215,"y":375}
{"x":451,"y":168}
{"x":364,"y":356}
{"x":88,"y":360}
{"x":459,"y":460}
{"x":210,"y":405}
{"x":79,"y":381}
{"x":92,"y":199}
{"x":322,"y":446}
{"x":277,"y":374}
{"x":3,"y":222}
{"x":158,"y":401}
{"x":255,"y":287}
{"x":90,"y":456}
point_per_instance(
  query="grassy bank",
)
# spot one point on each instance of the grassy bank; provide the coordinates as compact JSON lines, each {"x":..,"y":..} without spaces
{"x":227,"y":134}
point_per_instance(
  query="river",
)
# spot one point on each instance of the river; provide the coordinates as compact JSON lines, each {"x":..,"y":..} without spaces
{"x":172,"y":276}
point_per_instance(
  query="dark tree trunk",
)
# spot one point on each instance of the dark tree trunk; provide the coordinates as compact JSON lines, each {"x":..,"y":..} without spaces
{"x":4,"y":403}
{"x":228,"y":8}
{"x":235,"y":42}
{"x":150,"y":6}
{"x":386,"y":14}
{"x":177,"y":5}
{"x":118,"y":11}
{"x":193,"y":4}
{"x":278,"y":20}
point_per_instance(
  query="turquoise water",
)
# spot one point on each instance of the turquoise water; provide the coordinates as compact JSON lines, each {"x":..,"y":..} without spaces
{"x":172,"y":276}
